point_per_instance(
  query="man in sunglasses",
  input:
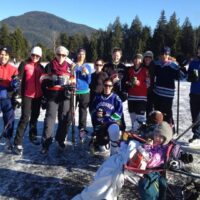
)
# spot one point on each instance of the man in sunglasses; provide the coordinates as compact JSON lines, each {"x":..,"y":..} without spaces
{"x":106,"y":112}
{"x":117,"y":70}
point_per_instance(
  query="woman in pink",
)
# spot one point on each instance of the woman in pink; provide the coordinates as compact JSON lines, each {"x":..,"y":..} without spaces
{"x":30,"y":72}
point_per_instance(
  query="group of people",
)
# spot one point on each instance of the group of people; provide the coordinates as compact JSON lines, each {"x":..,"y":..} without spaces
{"x":147,"y":85}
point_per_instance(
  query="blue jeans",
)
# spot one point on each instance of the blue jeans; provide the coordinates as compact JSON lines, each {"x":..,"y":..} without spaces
{"x":8,"y":117}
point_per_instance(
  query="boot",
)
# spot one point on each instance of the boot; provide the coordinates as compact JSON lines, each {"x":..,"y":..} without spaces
{"x":33,"y":135}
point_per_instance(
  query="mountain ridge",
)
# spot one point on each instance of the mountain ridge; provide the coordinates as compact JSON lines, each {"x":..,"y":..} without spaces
{"x":41,"y":27}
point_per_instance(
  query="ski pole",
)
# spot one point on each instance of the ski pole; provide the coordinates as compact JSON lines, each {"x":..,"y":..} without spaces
{"x":178,"y":101}
{"x":191,"y":126}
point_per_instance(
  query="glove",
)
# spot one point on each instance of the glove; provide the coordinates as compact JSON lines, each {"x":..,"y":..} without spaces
{"x":193,"y":76}
{"x":60,"y":81}
{"x":16,"y":101}
{"x":15,"y":83}
{"x":44,"y":103}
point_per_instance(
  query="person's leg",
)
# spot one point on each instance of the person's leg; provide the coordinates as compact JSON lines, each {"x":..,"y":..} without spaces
{"x":35,"y":112}
{"x":49,"y":122}
{"x":114,"y":135}
{"x":83,"y":105}
{"x":64,"y":122}
{"x":8,"y":118}
{"x":26,"y":112}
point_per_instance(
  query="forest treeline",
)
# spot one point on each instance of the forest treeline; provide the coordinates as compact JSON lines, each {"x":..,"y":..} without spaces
{"x":182,"y":39}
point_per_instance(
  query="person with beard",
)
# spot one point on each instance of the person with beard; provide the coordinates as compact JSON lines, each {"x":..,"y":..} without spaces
{"x":55,"y":84}
{"x":116,"y":70}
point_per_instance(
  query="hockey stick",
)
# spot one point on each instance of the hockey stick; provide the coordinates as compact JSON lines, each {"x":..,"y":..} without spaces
{"x":190,"y":127}
{"x":178,"y":101}
{"x":73,"y":101}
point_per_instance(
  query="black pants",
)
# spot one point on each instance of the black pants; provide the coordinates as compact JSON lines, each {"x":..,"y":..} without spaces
{"x":30,"y":110}
{"x":194,"y":108}
{"x":83,"y":102}
{"x":164,"y":105}
{"x":64,"y":114}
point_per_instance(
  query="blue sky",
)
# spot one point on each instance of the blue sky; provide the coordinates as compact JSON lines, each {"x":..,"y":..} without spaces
{"x":99,"y":13}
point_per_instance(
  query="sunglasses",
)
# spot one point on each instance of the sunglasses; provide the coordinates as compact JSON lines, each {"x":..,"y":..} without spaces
{"x":34,"y":55}
{"x":99,"y":65}
{"x":60,"y":55}
{"x":107,"y":85}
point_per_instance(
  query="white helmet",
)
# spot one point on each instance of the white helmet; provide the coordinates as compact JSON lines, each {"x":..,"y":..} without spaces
{"x":37,"y":51}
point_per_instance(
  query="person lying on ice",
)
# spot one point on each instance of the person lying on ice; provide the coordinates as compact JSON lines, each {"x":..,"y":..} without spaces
{"x":110,"y":177}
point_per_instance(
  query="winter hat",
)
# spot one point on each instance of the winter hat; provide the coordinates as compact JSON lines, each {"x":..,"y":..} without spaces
{"x":166,"y":51}
{"x":62,"y":50}
{"x":165,"y":130}
{"x":148,"y":54}
{"x":37,"y":51}
{"x":7,"y":49}
{"x":155,"y":117}
{"x":138,"y":55}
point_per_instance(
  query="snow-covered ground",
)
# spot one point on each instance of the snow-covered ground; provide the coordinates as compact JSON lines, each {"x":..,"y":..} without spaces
{"x":61,"y":175}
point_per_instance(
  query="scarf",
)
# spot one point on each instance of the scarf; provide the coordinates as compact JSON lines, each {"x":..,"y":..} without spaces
{"x":59,"y":69}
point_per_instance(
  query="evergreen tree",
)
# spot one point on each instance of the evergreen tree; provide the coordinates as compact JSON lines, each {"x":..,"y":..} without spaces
{"x":4,"y":35}
{"x":159,"y":36}
{"x":173,"y":35}
{"x":134,"y":41}
{"x":187,"y":39}
{"x":19,"y":44}
{"x":117,"y":34}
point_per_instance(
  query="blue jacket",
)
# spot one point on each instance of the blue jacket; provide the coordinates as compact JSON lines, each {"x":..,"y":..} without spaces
{"x":195,"y":86}
{"x":165,"y":76}
{"x":111,"y":106}
{"x":83,"y":80}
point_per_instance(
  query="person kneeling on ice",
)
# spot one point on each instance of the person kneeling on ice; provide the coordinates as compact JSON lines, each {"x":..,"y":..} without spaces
{"x":110,"y":177}
{"x":106,"y":112}
{"x":57,"y":84}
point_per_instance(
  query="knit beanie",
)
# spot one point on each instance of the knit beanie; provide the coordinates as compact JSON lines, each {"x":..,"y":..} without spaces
{"x":148,"y":54}
{"x":37,"y":51}
{"x":165,"y":130}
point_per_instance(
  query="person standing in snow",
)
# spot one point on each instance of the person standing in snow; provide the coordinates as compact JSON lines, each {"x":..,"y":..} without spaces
{"x":117,"y":70}
{"x":138,"y":83}
{"x":8,"y":84}
{"x":30,"y":72}
{"x":83,"y":78}
{"x":167,"y":71}
{"x":148,"y":63}
{"x":106,"y":112}
{"x":56,"y":85}
{"x":194,"y":78}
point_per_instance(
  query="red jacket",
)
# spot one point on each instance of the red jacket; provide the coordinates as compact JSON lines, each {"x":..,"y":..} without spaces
{"x":6,"y":73}
{"x":138,"y":92}
{"x":31,"y":80}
